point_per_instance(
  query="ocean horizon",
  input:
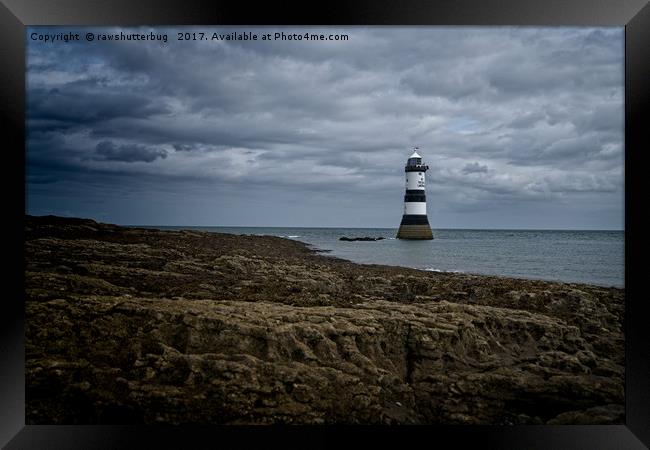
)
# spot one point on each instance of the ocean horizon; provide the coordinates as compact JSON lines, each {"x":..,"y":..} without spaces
{"x":574,"y":256}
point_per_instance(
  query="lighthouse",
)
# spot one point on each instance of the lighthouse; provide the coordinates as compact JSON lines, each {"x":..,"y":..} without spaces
{"x":415,"y":224}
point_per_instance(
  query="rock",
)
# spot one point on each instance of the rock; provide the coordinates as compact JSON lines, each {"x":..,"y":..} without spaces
{"x":128,"y":325}
{"x":343,"y":238}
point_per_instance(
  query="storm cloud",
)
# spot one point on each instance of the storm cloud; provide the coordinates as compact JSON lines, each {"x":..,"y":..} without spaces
{"x":128,"y":153}
{"x":521,"y":127}
{"x":475,"y":168}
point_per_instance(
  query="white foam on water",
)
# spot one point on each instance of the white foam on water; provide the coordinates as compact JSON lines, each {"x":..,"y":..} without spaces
{"x":433,"y":269}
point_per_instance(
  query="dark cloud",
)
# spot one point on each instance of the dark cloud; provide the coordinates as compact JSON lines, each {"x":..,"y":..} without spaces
{"x":505,"y":117}
{"x":85,"y":103}
{"x":41,"y":179}
{"x":185,"y":147}
{"x":475,"y":168}
{"x":107,"y":150}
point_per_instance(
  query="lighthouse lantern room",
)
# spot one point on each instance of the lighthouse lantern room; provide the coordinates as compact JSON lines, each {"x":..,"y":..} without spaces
{"x":415,"y":224}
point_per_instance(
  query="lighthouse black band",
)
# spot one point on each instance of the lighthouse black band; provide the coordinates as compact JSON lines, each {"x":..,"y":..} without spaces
{"x":414,"y":219}
{"x":415,"y":192}
{"x":415,"y":197}
{"x":416,"y":168}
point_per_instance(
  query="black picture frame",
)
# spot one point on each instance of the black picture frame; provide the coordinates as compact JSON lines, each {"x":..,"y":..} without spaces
{"x":15,"y":15}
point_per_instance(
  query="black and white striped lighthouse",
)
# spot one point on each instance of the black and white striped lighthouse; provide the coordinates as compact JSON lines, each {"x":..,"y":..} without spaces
{"x":415,"y":224}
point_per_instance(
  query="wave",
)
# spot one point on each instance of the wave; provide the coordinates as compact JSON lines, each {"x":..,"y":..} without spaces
{"x":433,"y":269}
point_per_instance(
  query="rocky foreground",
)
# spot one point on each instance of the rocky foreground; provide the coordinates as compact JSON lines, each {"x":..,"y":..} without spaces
{"x":127,"y":325}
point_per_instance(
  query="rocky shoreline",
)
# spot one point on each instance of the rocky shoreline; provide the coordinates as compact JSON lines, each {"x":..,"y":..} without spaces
{"x":131,"y":325}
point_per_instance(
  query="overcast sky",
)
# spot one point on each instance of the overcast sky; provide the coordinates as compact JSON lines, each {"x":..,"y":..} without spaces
{"x":521,"y":127}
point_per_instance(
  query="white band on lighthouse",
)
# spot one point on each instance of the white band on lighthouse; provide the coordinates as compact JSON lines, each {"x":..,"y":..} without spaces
{"x":419,"y":208}
{"x":414,"y":180}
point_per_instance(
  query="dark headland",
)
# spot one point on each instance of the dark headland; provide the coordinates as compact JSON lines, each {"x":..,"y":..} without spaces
{"x":131,"y":325}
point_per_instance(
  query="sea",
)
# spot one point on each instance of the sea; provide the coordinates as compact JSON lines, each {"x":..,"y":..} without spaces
{"x":580,"y":256}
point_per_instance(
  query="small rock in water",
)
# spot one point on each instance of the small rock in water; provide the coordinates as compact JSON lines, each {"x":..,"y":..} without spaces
{"x":367,"y":238}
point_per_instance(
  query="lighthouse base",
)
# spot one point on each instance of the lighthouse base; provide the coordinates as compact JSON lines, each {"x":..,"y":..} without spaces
{"x":414,"y":227}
